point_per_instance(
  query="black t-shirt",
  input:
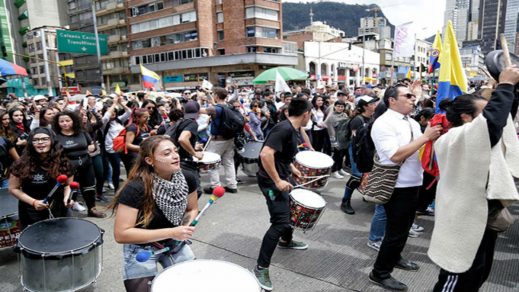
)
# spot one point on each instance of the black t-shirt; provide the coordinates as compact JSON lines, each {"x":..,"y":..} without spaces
{"x":283,"y":138}
{"x":192,"y":127}
{"x":76,"y":145}
{"x":133,"y":196}
{"x":143,"y":134}
{"x":40,"y":185}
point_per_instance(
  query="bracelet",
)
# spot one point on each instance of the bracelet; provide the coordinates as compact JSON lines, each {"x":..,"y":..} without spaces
{"x":34,"y":204}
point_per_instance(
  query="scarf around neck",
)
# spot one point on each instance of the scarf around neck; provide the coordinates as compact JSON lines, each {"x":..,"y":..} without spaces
{"x":171,"y":196}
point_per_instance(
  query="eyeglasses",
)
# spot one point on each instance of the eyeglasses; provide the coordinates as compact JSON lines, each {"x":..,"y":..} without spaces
{"x":40,"y":140}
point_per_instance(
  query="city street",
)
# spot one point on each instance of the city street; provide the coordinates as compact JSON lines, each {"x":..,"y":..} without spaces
{"x":337,"y":259}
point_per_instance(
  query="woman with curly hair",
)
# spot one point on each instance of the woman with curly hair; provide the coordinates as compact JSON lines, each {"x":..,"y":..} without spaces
{"x":34,"y":175}
{"x":77,"y":145}
{"x":156,"y":204}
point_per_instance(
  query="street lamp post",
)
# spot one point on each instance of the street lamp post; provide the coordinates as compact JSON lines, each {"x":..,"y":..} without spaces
{"x":98,"y":48}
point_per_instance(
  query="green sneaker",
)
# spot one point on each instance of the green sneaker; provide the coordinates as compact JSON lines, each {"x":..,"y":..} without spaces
{"x":293,"y":245}
{"x":263,"y":278}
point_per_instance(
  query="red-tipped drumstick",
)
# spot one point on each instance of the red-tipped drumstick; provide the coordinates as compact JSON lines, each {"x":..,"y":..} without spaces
{"x":60,"y":180}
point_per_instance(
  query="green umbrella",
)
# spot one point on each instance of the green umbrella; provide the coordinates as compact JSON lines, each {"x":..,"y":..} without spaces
{"x":286,"y":72}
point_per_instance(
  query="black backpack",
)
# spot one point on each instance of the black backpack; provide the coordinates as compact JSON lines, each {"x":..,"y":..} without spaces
{"x":173,"y":131}
{"x":231,"y":122}
{"x":342,"y":133}
{"x":363,"y":148}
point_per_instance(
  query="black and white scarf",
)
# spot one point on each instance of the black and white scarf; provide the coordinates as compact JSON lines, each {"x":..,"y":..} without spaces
{"x":171,"y":196}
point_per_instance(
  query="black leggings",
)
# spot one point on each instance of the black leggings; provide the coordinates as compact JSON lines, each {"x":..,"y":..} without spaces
{"x":338,"y":159}
{"x":280,"y":224}
{"x":85,"y":176}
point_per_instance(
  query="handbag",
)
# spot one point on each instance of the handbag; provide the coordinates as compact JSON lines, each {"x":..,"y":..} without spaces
{"x":381,"y":182}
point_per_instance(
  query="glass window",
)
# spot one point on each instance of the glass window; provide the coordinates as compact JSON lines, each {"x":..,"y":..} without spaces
{"x":137,"y":60}
{"x":157,"y":58}
{"x":144,"y":60}
{"x":190,"y":54}
{"x":252,"y":49}
{"x":163,"y":57}
{"x":220,"y":35}
{"x":251,"y":31}
{"x":177,"y":55}
{"x":197,"y":53}
{"x":184,"y":54}
{"x":171,"y":56}
{"x":219,"y":17}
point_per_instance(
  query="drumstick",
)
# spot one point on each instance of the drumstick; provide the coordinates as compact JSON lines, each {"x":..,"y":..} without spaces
{"x":207,"y":143}
{"x":311,"y":181}
{"x":506,"y":52}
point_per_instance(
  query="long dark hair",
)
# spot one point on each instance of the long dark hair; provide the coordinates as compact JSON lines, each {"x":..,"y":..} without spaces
{"x":463,"y":104}
{"x":24,"y":121}
{"x":43,"y":111}
{"x":7,"y":131}
{"x":141,"y":170}
{"x":76,"y":122}
{"x":155,"y":117}
{"x":55,"y":163}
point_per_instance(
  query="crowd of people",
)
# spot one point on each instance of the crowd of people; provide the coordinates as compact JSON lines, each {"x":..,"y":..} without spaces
{"x":160,"y":139}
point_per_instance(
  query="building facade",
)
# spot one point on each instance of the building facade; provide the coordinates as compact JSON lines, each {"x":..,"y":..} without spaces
{"x":340,"y":64}
{"x":111,"y":16}
{"x":510,"y":29}
{"x":473,"y":62}
{"x":492,"y":23}
{"x":458,"y":12}
{"x":317,"y":31}
{"x":375,"y":25}
{"x":187,"y":41}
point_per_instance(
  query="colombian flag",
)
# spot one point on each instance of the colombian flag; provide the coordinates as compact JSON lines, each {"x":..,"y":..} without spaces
{"x":435,"y":53}
{"x":452,"y":81}
{"x":149,"y":78}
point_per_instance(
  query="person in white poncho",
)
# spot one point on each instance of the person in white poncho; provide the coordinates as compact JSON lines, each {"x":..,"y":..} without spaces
{"x":478,"y":159}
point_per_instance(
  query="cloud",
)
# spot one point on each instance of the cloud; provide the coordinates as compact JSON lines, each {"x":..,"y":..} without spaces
{"x":427,"y":15}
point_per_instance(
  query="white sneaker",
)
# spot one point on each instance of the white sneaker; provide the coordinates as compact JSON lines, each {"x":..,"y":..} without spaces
{"x":111,"y":186}
{"x":342,"y":172}
{"x":417,"y":228}
{"x":414,"y":234}
{"x":78,"y":207}
{"x":374,"y":244}
{"x":337,"y":175}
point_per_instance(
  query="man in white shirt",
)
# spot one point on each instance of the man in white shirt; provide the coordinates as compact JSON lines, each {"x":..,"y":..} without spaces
{"x":397,"y":138}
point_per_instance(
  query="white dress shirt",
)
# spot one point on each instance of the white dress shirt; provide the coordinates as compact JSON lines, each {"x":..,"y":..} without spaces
{"x":390,"y":132}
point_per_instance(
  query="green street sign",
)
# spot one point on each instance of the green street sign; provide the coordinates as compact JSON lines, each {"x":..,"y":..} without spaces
{"x":80,"y":42}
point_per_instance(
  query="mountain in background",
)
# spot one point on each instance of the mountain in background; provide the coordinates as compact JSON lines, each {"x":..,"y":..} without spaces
{"x":339,"y":15}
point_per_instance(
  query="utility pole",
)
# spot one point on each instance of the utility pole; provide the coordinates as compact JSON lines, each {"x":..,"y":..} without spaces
{"x":45,"y":60}
{"x":98,"y":48}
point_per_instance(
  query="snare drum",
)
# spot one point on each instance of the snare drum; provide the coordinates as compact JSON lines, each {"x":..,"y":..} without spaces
{"x":62,"y":254}
{"x":210,"y":161}
{"x":313,"y":164}
{"x":250,"y":156}
{"x":205,"y":275}
{"x":9,"y":222}
{"x":306,"y":207}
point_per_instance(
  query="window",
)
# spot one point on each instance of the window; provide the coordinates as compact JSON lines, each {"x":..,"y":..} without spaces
{"x":259,"y":12}
{"x":157,"y":58}
{"x":252,"y":49}
{"x":164,"y":22}
{"x":147,"y":8}
{"x":262,"y":32}
{"x":188,"y":17}
{"x":219,"y":17}
{"x":220,"y":35}
{"x":251,"y":31}
{"x":171,"y":56}
{"x":221,"y":52}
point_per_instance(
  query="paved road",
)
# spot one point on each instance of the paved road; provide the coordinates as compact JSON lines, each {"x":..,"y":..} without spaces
{"x":337,"y":259}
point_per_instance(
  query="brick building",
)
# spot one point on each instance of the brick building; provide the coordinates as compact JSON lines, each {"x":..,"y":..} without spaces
{"x":186,"y":41}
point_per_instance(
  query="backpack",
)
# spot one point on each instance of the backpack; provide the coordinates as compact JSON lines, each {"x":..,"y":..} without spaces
{"x":119,"y":142}
{"x":231,"y":122}
{"x":173,"y":132}
{"x":363,"y":148}
{"x":342,"y":133}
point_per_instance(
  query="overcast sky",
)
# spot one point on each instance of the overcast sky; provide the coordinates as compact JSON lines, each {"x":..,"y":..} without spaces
{"x":426,"y":14}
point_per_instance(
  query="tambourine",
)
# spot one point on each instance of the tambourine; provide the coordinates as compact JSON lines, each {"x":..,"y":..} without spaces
{"x":495,"y":62}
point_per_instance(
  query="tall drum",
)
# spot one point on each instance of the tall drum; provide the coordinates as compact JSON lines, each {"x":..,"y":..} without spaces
{"x":250,"y":156}
{"x":9,"y":223}
{"x":205,"y":275}
{"x":315,"y":168}
{"x":62,"y":254}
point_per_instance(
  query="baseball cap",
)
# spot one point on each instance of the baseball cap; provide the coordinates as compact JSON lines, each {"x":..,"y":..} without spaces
{"x":365,"y":100}
{"x":39,"y":97}
{"x":340,"y":93}
{"x":191,"y":109}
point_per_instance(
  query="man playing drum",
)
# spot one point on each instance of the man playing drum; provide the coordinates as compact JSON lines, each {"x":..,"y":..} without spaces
{"x":275,"y":171}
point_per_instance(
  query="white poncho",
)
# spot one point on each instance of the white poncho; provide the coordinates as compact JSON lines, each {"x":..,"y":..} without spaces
{"x":467,"y":162}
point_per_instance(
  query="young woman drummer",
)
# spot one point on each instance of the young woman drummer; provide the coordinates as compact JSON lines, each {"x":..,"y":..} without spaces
{"x":156,"y":204}
{"x":34,"y":175}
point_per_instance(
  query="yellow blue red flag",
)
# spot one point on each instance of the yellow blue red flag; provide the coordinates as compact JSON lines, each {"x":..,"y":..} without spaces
{"x":149,"y":78}
{"x":435,"y":53}
{"x":452,"y":81}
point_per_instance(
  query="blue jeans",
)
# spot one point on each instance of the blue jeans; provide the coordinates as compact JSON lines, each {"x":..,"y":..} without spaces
{"x":378,"y":224}
{"x":115,"y":164}
{"x":354,"y":180}
{"x":133,"y":269}
{"x":4,"y":184}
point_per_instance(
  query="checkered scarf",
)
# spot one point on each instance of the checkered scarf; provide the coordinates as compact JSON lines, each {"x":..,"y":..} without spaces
{"x":171,"y":196}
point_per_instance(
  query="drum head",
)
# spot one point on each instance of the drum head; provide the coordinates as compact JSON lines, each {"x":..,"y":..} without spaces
{"x":308,"y":198}
{"x":59,"y":236}
{"x":314,"y":159}
{"x":251,"y":150}
{"x":205,"y":275}
{"x":495,"y":62}
{"x":209,"y":157}
{"x":8,"y":204}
